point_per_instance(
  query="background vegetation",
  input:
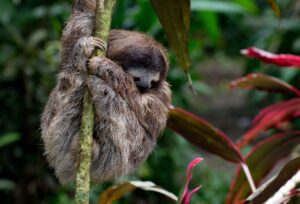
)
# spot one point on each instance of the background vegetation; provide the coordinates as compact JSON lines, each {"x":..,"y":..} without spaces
{"x":29,"y":58}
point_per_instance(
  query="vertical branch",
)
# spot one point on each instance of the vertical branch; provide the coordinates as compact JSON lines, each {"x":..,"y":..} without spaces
{"x":103,"y":21}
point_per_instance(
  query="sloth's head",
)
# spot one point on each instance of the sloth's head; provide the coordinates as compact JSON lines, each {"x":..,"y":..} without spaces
{"x":140,"y":56}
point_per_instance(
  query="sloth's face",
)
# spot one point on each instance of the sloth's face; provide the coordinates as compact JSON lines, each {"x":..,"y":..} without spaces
{"x":144,"y":78}
{"x":146,"y":66}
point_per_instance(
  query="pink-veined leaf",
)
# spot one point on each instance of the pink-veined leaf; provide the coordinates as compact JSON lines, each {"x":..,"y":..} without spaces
{"x":174,"y":16}
{"x":270,"y":117}
{"x":264,"y":82}
{"x":118,"y":191}
{"x":282,"y":60}
{"x":203,"y":134}
{"x":274,"y":7}
{"x":286,"y":173}
{"x":186,"y":194}
{"x":261,"y":160}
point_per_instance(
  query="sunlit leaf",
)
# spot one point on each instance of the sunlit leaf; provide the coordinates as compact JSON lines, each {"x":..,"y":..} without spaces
{"x":270,"y":117}
{"x":283,"y":60}
{"x":264,"y":82}
{"x":261,"y":160}
{"x":174,"y":16}
{"x":286,"y":173}
{"x":118,"y":191}
{"x":217,"y":6}
{"x":203,"y":135}
{"x":9,"y":138}
{"x":274,"y":7}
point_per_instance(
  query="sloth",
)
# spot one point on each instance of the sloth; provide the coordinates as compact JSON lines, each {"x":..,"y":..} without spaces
{"x":129,"y":92}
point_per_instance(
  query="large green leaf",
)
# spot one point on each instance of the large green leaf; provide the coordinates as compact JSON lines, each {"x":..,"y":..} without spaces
{"x":203,"y":135}
{"x":286,"y":173}
{"x":174,"y":16}
{"x":118,"y":191}
{"x":261,"y":161}
{"x":264,"y":82}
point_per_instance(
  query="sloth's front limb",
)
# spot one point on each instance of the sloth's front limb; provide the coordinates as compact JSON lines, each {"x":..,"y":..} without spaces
{"x":84,"y":49}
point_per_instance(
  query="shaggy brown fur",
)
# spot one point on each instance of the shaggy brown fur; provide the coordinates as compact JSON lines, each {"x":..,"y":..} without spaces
{"x":127,"y":122}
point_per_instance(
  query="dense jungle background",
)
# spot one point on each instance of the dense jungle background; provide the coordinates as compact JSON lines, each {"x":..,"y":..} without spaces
{"x":30,"y":34}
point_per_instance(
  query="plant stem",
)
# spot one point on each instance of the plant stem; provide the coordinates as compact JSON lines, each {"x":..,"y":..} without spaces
{"x":103,"y":20}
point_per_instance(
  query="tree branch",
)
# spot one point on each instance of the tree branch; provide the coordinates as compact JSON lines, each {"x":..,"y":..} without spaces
{"x":103,"y":20}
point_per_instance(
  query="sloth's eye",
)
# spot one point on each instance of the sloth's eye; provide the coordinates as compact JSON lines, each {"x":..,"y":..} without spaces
{"x":153,"y":83}
{"x":136,"y":79}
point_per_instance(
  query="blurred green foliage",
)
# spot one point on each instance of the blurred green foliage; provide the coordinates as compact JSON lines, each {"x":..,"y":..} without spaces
{"x":29,"y":58}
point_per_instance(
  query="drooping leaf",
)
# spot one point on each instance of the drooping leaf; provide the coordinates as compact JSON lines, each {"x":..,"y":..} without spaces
{"x":186,"y":195}
{"x":286,"y":173}
{"x":274,"y":7}
{"x":9,"y":138}
{"x":174,"y":16}
{"x":261,"y":160}
{"x":270,"y":117}
{"x":283,"y":60}
{"x":118,"y":191}
{"x":203,"y":135}
{"x":264,"y":82}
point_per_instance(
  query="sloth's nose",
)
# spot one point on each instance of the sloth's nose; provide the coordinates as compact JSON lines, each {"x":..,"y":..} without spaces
{"x":143,"y":86}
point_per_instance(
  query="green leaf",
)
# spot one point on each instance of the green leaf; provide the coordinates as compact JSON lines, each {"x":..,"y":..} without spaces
{"x":118,"y":191}
{"x":211,"y":24}
{"x":249,"y":5}
{"x":217,"y":6}
{"x":203,"y":135}
{"x":264,"y":82}
{"x":6,"y":185}
{"x":261,"y":160}
{"x":174,"y":16}
{"x":9,"y":138}
{"x":274,"y":7}
{"x":274,"y":184}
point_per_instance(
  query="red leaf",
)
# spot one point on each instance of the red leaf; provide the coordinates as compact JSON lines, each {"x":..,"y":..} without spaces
{"x":264,"y":82}
{"x":203,"y":135}
{"x":186,"y":195}
{"x":278,"y":59}
{"x":270,"y":117}
{"x":261,"y":160}
{"x":286,"y":173}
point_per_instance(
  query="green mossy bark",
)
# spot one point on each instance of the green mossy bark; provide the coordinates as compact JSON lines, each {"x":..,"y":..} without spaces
{"x":103,"y":21}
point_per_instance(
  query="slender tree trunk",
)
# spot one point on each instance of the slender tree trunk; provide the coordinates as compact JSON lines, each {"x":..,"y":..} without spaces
{"x":103,"y":21}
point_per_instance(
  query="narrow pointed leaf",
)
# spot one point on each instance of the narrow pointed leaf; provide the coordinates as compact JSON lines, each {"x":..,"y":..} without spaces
{"x":265,"y":83}
{"x":274,"y":7}
{"x":261,"y":161}
{"x":270,"y":117}
{"x":282,"y":60}
{"x":174,"y":16}
{"x":185,"y":195}
{"x":203,"y":135}
{"x":286,"y":173}
{"x":118,"y":191}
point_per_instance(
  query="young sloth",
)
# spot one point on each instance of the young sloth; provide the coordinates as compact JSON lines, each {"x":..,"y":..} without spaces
{"x":130,"y":95}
